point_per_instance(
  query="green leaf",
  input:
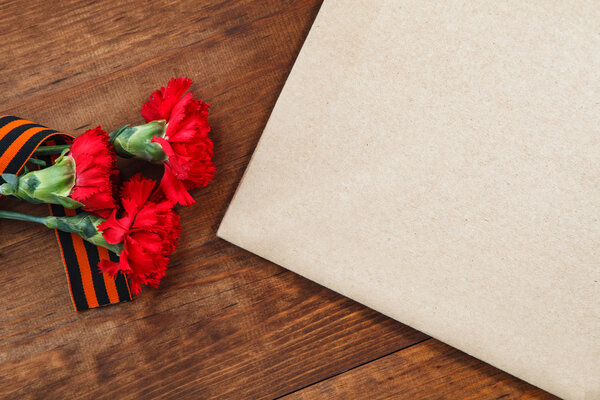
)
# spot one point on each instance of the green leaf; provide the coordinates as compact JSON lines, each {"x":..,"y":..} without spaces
{"x":66,"y":202}
{"x":35,"y":161}
{"x":113,"y":135}
{"x":11,"y":179}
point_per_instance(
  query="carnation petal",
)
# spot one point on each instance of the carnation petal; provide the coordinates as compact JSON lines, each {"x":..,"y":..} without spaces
{"x":138,"y":189}
{"x":96,"y":169}
{"x":162,"y":101}
{"x":174,"y":189}
{"x":148,"y":230}
{"x":109,"y":267}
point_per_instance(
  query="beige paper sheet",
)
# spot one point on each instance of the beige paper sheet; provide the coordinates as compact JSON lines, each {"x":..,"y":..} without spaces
{"x":439,"y":161}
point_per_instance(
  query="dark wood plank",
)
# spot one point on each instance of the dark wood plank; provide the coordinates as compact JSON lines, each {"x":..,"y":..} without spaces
{"x":428,"y":370}
{"x":229,"y":326}
{"x":224,"y":323}
{"x":50,"y":45}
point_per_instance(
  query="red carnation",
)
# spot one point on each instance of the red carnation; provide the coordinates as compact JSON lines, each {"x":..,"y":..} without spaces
{"x":83,"y":175}
{"x":148,"y":231}
{"x":186,"y":140}
{"x":95,"y":172}
{"x":176,"y":135}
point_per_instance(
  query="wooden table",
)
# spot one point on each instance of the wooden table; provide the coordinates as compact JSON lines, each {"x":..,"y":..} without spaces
{"x":224,"y":323}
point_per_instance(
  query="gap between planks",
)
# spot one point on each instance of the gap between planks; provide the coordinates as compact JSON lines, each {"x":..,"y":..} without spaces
{"x":352,"y":368}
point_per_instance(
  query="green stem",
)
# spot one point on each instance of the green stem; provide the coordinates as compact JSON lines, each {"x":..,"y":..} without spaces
{"x":22,"y":217}
{"x":82,"y":224}
{"x":37,"y":162}
{"x":49,"y":150}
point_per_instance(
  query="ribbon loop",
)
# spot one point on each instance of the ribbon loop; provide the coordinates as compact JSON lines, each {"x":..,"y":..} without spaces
{"x":89,"y":287}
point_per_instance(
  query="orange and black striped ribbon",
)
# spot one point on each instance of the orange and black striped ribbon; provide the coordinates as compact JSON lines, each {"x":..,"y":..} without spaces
{"x":89,"y":287}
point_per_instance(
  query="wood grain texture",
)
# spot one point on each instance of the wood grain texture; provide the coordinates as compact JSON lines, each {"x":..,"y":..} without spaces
{"x":421,"y":372}
{"x":224,"y":323}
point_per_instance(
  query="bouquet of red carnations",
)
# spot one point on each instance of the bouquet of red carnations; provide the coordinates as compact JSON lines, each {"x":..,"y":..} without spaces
{"x":136,"y":219}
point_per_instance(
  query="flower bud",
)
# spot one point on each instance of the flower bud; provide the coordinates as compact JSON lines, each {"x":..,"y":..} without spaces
{"x":49,"y":185}
{"x":136,"y":141}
